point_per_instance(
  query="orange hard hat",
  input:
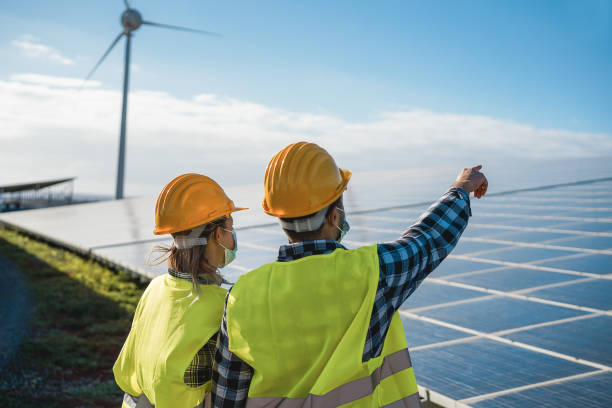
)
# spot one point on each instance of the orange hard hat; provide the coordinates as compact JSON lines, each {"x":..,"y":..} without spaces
{"x":301,"y":180}
{"x":188,"y":201}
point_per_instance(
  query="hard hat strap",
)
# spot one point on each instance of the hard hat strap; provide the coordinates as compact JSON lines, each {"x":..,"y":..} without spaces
{"x":192,"y":239}
{"x":304,"y":224}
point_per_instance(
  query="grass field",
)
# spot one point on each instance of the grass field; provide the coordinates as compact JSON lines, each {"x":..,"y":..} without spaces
{"x":81,"y":314}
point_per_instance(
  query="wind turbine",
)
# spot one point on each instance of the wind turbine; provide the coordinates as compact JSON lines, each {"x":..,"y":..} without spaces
{"x":131,"y":20}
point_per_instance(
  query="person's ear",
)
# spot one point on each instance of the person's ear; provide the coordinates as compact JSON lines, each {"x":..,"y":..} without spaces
{"x":332,"y":217}
{"x":217,"y":233}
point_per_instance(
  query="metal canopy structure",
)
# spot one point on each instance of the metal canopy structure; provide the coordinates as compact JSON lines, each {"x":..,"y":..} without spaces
{"x":37,"y":194}
{"x":36,"y":185}
{"x":518,"y":315}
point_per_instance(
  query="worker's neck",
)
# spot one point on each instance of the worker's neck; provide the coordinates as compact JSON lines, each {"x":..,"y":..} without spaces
{"x":323,"y":236}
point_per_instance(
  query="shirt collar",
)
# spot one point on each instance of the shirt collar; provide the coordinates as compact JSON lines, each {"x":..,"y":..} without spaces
{"x":292,"y":252}
{"x":185,"y":276}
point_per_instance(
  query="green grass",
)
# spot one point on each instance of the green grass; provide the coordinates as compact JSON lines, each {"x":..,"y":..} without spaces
{"x":82,"y":312}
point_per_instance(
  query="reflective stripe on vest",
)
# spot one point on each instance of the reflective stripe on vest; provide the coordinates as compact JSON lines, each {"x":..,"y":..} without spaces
{"x":349,"y":392}
{"x":412,"y":401}
{"x":141,"y":401}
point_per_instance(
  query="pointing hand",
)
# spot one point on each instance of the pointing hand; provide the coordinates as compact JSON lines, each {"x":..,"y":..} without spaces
{"x":472,"y":181}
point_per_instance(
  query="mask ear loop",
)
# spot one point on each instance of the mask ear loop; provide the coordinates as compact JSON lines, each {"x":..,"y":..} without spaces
{"x":343,"y":218}
{"x":342,"y":230}
{"x":223,"y":246}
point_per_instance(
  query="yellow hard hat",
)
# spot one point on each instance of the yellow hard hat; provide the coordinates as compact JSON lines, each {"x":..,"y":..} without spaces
{"x":301,"y":180}
{"x":188,"y":201}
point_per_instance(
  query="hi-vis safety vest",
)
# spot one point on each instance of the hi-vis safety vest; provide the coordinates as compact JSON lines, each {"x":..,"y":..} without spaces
{"x":302,"y":326}
{"x":169,"y":328}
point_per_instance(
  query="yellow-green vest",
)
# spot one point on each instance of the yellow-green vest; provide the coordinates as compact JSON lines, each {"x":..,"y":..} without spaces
{"x":302,"y":327}
{"x":170,"y":326}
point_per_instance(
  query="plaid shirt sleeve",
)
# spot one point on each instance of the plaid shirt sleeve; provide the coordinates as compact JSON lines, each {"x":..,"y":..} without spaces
{"x":200,"y":369}
{"x":231,"y":375}
{"x":406,"y":262}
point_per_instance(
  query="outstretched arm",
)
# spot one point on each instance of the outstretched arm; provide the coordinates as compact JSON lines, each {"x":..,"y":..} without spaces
{"x":407,"y":261}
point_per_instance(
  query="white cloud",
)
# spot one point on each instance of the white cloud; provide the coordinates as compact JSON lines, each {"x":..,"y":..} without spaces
{"x":49,"y":128}
{"x":55,"y":81}
{"x":32,"y":48}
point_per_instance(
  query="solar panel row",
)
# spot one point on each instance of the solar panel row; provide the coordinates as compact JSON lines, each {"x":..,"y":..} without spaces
{"x":519,"y":314}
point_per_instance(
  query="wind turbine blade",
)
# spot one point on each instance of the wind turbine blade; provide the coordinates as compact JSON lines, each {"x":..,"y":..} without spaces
{"x":127,"y":6}
{"x":104,"y":56}
{"x":173,"y":27}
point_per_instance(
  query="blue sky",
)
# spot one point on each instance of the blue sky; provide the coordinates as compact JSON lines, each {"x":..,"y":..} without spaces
{"x":547,"y":63}
{"x":544,"y":64}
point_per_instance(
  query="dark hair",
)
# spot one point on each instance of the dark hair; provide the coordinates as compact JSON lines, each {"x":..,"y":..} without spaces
{"x":311,"y":235}
{"x":191,"y":260}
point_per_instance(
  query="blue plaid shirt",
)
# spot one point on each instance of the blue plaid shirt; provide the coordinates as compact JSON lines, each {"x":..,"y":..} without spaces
{"x":404,"y":264}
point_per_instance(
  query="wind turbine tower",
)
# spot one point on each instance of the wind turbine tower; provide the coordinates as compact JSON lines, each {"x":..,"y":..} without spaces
{"x":131,"y":20}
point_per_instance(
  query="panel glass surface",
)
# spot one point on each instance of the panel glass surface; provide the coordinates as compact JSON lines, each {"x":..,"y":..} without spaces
{"x":134,"y":257}
{"x":432,"y":293}
{"x":499,"y":314}
{"x":595,"y":294}
{"x":251,"y":258}
{"x":500,"y":218}
{"x":519,"y":208}
{"x":483,"y":366}
{"x":361,"y":234}
{"x":588,"y":339}
{"x":479,"y":229}
{"x":599,"y":264}
{"x":453,"y":266}
{"x":271,"y":237}
{"x":420,"y":333}
{"x":510,"y":279}
{"x":530,"y":236}
{"x":465,"y":247}
{"x":592,"y":214}
{"x":599,"y":226}
{"x":523,"y":254}
{"x":586,"y":242}
{"x":590,"y":392}
{"x":382,"y":220}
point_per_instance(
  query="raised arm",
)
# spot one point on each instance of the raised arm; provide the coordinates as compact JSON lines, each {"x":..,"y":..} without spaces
{"x":405,"y":262}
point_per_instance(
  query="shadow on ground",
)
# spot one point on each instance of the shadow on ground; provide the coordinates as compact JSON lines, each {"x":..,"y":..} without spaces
{"x":80,"y":316}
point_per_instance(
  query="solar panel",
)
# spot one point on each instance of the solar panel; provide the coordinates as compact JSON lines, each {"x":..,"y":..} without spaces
{"x":518,"y":315}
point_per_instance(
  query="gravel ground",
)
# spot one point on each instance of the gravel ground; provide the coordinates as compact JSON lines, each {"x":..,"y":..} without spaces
{"x":15,"y":310}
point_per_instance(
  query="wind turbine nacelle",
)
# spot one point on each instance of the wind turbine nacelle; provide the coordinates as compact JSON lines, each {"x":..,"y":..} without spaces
{"x":131,"y":20}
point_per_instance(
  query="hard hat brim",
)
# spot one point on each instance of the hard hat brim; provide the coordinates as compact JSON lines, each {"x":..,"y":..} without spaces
{"x":211,"y":217}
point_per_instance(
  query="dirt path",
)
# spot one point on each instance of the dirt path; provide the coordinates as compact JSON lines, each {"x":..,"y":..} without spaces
{"x":15,"y":310}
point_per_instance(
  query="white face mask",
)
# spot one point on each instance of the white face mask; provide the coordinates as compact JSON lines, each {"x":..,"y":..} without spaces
{"x":229,"y":254}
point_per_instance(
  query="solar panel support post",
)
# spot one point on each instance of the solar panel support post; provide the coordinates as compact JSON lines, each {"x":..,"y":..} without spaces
{"x":121,"y":160}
